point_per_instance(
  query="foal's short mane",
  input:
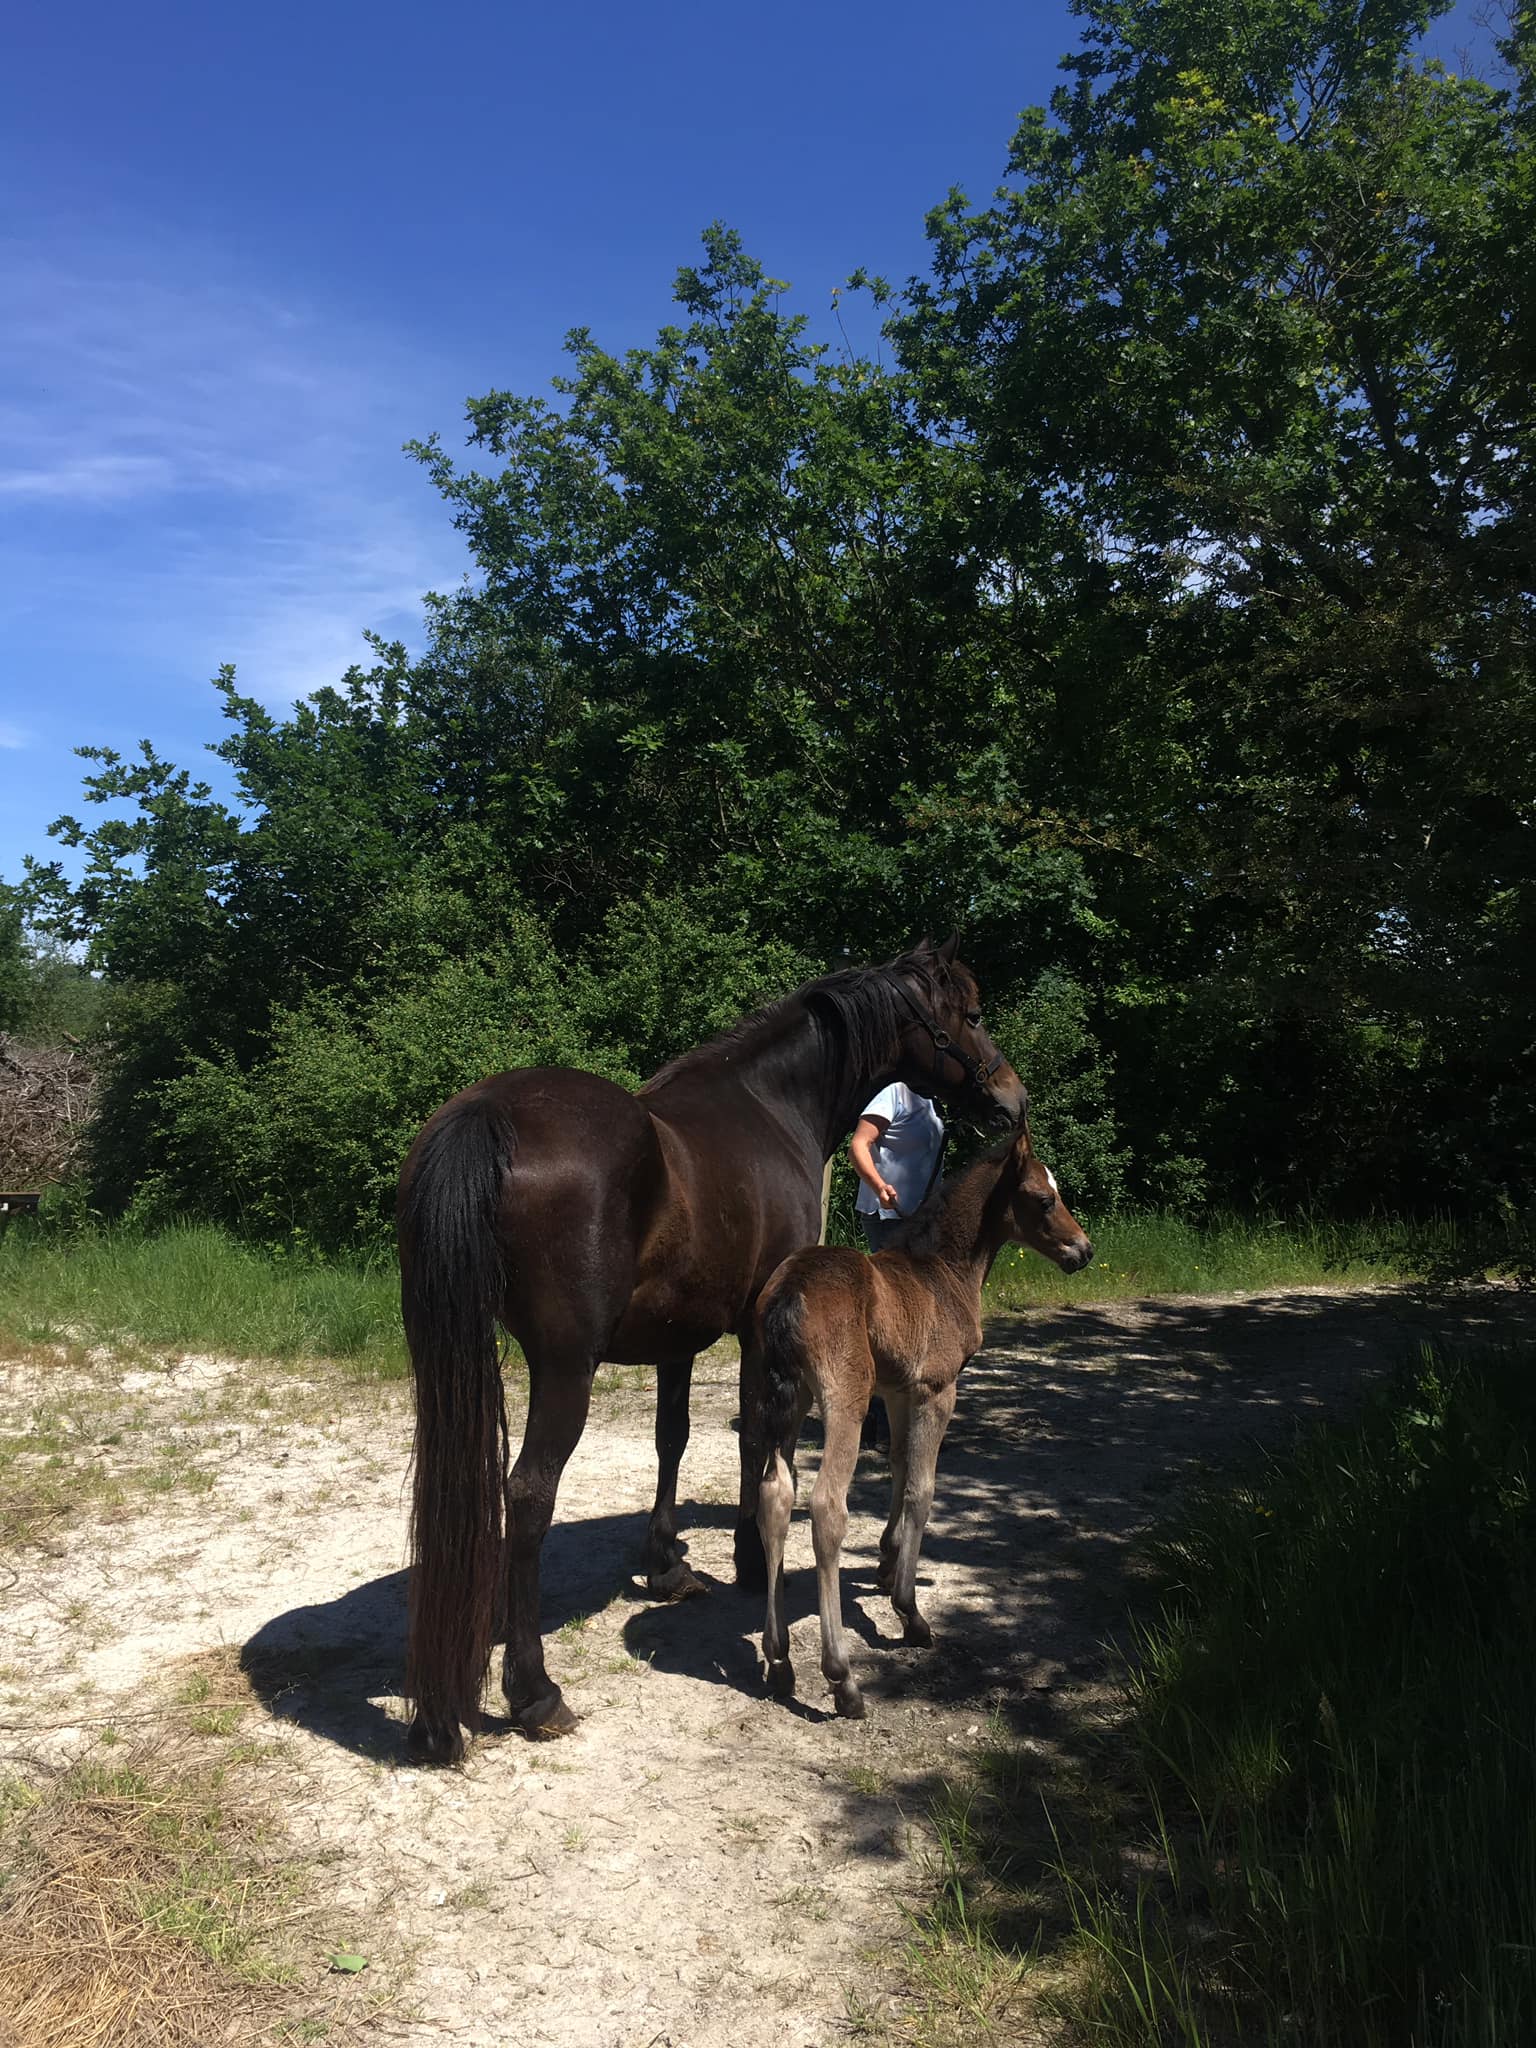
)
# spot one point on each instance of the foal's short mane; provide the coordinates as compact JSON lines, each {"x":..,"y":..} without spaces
{"x":920,"y":1232}
{"x":863,"y":1005}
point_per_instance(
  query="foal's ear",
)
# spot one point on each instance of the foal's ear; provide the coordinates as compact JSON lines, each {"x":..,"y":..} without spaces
{"x":1023,"y":1143}
{"x":949,"y":949}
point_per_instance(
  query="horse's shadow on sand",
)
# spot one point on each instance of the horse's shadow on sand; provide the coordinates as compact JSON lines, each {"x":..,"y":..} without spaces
{"x":337,"y":1667}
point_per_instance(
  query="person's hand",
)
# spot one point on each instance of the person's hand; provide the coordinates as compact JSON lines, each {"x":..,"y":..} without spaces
{"x":887,"y":1196}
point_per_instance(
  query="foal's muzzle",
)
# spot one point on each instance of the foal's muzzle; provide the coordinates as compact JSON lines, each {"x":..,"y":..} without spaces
{"x":1075,"y":1257}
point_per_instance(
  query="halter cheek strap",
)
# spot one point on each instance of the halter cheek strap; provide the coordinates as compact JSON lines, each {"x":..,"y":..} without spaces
{"x":944,"y":1047}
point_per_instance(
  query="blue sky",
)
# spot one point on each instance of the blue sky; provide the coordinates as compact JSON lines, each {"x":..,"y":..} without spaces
{"x":244,"y":254}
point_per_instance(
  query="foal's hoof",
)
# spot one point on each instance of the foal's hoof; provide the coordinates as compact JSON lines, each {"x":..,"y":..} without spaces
{"x":781,"y":1678}
{"x":917,"y":1635}
{"x":848,"y":1700}
{"x":676,"y":1583}
{"x":435,"y":1745}
{"x":885,"y":1575}
{"x":547,"y":1719}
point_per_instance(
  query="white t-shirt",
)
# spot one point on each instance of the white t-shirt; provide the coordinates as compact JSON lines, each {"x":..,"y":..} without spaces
{"x":906,"y":1151}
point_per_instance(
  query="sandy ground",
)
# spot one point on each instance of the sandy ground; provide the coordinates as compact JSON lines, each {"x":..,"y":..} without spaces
{"x":699,"y":1866}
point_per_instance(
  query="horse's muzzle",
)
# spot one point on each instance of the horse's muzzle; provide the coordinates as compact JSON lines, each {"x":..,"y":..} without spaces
{"x":1003,"y":1109}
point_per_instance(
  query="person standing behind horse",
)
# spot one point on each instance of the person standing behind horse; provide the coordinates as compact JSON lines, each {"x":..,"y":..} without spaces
{"x":895,"y":1150}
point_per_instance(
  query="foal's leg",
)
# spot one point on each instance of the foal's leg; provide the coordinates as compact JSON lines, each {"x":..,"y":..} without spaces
{"x":898,"y":1406}
{"x":666,"y":1576}
{"x":775,"y":1500}
{"x":929,"y":1418}
{"x":829,"y":1524}
{"x":559,"y":1393}
{"x":775,"y":1503}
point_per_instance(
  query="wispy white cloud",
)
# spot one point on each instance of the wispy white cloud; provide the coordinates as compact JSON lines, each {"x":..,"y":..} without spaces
{"x":12,"y":737}
{"x":195,"y":470}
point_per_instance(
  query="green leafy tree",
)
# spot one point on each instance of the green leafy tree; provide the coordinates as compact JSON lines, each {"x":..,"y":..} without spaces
{"x":13,"y":960}
{"x":1243,"y":333}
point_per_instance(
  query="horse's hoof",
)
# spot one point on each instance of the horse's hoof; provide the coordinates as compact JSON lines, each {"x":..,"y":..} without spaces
{"x":917,"y":1635}
{"x":781,"y":1678}
{"x":885,"y":1576}
{"x":848,"y":1700}
{"x":547,"y":1719}
{"x":677,"y":1583}
{"x":429,"y":1745}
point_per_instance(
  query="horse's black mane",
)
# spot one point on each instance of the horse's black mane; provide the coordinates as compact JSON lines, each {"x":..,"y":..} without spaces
{"x":863,"y":1005}
{"x":921,"y":1231}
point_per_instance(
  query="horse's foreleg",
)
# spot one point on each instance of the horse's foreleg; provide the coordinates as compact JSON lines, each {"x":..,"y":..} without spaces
{"x":666,"y":1576}
{"x":829,"y":1523}
{"x":751,"y":1566}
{"x":775,"y":1500}
{"x":928,"y":1420}
{"x":559,"y":1394}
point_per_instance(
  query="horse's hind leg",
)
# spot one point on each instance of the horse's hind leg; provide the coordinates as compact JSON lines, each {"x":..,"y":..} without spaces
{"x":927,"y":1421}
{"x":829,"y":1524}
{"x":751,"y":1570}
{"x":559,"y":1394}
{"x":666,"y":1576}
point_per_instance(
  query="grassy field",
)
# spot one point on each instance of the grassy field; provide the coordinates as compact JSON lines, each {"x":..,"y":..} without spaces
{"x":1315,"y":1827}
{"x":193,"y":1288}
{"x":1138,"y":1255}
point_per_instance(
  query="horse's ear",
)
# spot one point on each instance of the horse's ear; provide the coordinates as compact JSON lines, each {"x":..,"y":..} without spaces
{"x":949,"y":949}
{"x":924,"y":944}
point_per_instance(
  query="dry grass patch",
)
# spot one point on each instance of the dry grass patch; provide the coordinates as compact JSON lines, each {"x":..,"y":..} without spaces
{"x":143,"y":1902}
{"x":48,"y":1475}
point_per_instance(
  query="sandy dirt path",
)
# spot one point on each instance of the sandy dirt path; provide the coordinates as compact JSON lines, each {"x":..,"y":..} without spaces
{"x":699,"y":1866}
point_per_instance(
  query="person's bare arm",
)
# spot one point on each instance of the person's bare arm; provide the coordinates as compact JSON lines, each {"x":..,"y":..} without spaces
{"x":868,"y":1130}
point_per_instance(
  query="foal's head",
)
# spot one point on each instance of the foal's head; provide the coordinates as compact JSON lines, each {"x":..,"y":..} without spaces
{"x":1038,"y":1217}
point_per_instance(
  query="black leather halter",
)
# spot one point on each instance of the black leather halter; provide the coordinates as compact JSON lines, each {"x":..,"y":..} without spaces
{"x":944,"y":1047}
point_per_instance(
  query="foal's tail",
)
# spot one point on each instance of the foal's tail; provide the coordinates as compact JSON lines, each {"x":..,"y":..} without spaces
{"x":783,"y":1331}
{"x":451,"y":1286}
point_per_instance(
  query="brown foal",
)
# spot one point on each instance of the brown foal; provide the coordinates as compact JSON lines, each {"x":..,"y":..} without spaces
{"x":837,"y":1326}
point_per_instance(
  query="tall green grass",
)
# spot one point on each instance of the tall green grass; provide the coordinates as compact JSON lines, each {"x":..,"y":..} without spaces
{"x":1326,"y":1825}
{"x":193,"y":1288}
{"x":1150,"y":1253}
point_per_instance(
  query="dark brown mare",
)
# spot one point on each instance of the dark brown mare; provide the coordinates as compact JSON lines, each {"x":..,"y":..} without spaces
{"x":593,"y":1224}
{"x":834,"y":1326}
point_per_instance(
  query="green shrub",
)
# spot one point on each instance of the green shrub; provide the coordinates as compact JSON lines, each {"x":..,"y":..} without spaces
{"x":1046,"y":1034}
{"x":306,"y":1146}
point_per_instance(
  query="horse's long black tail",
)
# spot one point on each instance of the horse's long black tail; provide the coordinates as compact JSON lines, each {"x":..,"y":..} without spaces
{"x":783,"y":1330}
{"x":451,"y":1287}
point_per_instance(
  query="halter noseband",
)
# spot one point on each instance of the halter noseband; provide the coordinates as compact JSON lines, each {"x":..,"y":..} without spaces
{"x":943,"y":1045}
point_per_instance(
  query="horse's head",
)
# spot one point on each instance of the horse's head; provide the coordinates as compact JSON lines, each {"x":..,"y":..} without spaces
{"x":1037,"y":1216}
{"x":945,"y":1047}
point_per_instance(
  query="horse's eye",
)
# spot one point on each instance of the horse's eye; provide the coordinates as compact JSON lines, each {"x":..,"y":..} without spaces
{"x":973,"y":1017}
{"x":1047,"y":1204}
